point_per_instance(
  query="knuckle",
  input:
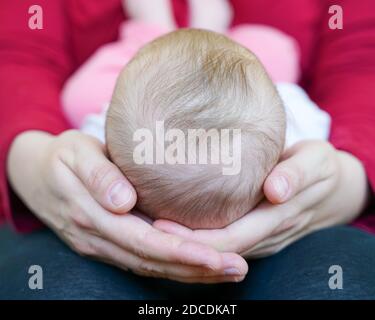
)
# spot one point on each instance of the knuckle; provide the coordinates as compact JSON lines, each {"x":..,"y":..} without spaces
{"x":79,"y":213}
{"x":79,"y":243}
{"x":296,"y":176}
{"x":146,"y":274}
{"x":142,"y":242}
{"x":328,"y":163}
{"x":140,"y":251}
{"x":68,"y":134}
{"x":146,"y":268}
{"x":328,"y":146}
{"x":97,"y":176}
{"x":81,"y":219}
{"x":83,"y":248}
{"x":62,"y":226}
{"x":98,"y":249}
{"x":56,"y":155}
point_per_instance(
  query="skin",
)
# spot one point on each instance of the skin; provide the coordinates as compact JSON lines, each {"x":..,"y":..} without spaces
{"x":313,"y":187}
{"x":68,"y":180}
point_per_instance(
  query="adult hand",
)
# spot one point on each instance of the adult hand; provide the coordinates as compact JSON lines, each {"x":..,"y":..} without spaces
{"x":69,"y":184}
{"x":314,"y":186}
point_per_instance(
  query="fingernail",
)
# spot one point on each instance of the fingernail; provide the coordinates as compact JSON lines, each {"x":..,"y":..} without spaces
{"x":281,"y":186}
{"x":232,"y":272}
{"x":120,"y":194}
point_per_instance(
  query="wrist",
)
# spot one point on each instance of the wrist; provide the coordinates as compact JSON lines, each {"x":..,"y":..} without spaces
{"x":24,"y":153}
{"x":353,"y":181}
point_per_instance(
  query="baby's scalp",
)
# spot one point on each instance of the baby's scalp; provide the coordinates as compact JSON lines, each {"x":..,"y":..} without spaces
{"x":196,"y":80}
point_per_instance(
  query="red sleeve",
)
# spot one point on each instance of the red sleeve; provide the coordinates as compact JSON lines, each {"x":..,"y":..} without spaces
{"x":33,"y":67}
{"x":343,"y":81}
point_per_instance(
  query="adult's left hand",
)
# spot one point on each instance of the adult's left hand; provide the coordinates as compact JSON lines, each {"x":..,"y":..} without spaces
{"x":314,"y":186}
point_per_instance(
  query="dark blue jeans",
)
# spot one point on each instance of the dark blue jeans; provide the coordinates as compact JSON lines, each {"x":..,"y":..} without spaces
{"x":298,"y":272}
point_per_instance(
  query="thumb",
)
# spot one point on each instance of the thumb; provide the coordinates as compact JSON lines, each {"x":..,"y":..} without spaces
{"x":103,"y":179}
{"x":303,"y":165}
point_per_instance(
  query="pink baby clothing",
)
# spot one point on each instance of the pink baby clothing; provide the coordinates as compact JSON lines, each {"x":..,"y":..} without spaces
{"x":89,"y":90}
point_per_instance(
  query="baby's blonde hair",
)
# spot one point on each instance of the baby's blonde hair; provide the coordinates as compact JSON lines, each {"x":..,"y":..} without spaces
{"x":197,"y":79}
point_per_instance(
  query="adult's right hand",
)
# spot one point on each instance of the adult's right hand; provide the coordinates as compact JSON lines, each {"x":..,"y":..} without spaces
{"x":69,"y":184}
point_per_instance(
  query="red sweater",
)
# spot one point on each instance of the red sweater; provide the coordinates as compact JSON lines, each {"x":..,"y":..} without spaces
{"x":338,"y":69}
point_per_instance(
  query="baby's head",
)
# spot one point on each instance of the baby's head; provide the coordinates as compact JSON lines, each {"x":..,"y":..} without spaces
{"x":186,"y":80}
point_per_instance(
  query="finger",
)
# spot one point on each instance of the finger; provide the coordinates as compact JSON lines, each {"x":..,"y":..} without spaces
{"x":212,"y":237}
{"x":172,"y":227}
{"x":216,"y":238}
{"x":105,"y":182}
{"x":279,"y":238}
{"x":297,"y":215}
{"x":277,"y":247}
{"x":238,"y":236}
{"x":115,"y":255}
{"x":283,"y":220}
{"x":304,"y":164}
{"x":137,"y":236}
{"x":211,"y":280}
{"x":188,"y":274}
{"x":263,"y":223}
{"x":134,"y":234}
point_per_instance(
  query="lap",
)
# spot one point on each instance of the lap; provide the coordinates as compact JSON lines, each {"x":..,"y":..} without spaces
{"x":298,"y":272}
{"x":301,"y":271}
{"x":66,"y":275}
